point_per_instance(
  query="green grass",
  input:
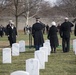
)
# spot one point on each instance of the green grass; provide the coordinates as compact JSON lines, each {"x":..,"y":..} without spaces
{"x":59,"y":63}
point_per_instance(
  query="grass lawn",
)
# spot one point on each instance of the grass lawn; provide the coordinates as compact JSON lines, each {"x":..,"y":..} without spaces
{"x":59,"y":63}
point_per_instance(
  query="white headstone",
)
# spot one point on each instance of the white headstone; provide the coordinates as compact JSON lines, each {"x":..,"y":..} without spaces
{"x":6,"y":55}
{"x":75,"y":52}
{"x":32,"y":66}
{"x":74,"y":45}
{"x":47,"y":44}
{"x":47,"y":40}
{"x":22,"y":46}
{"x":40,"y":55}
{"x":46,"y":53}
{"x":19,"y":73}
{"x":15,"y":49}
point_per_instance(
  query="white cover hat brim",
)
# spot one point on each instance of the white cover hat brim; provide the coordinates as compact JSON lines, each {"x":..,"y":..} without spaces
{"x":53,"y":23}
{"x":10,"y":21}
{"x":66,"y":18}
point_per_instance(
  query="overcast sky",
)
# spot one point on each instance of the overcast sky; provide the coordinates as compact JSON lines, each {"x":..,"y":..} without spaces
{"x":51,"y":1}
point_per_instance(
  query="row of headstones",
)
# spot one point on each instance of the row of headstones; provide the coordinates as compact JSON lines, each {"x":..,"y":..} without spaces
{"x":38,"y":62}
{"x":33,"y":65}
{"x":41,"y":56}
{"x":14,"y":51}
{"x":74,"y":46}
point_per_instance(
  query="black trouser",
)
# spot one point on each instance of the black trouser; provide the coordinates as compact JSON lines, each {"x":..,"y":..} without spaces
{"x":11,"y":41}
{"x":66,"y":44}
{"x":53,"y":49}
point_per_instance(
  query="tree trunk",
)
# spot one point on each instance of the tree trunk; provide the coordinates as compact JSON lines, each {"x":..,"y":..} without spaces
{"x":16,"y":17}
{"x":16,"y":22}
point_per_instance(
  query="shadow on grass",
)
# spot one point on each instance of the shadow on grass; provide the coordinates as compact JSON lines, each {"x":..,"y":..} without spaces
{"x":9,"y":46}
{"x":4,"y":46}
{"x":29,"y":52}
{"x":29,"y":46}
{"x":1,"y":63}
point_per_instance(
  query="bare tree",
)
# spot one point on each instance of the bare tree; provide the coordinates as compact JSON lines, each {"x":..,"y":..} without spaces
{"x":28,"y":8}
{"x":3,"y":5}
{"x":45,"y":9}
{"x":69,"y":6}
{"x":12,"y":8}
{"x":16,"y":9}
{"x":31,"y":8}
